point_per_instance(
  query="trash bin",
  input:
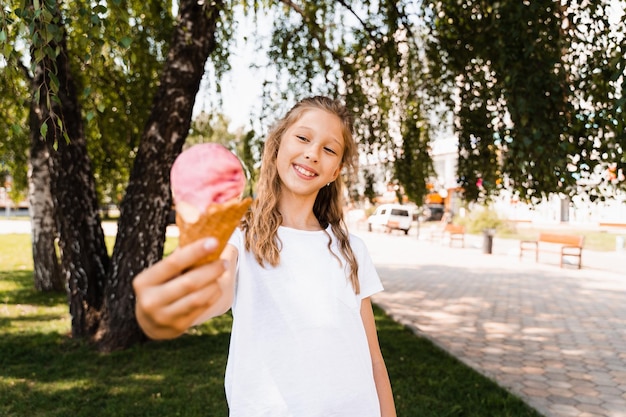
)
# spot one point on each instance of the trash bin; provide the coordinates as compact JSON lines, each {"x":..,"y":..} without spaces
{"x":488,"y":240}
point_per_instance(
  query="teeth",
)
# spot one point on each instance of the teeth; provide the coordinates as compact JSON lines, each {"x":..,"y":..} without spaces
{"x":304,"y":171}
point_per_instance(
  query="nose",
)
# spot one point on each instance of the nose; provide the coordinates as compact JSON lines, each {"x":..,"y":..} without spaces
{"x":312,"y":153}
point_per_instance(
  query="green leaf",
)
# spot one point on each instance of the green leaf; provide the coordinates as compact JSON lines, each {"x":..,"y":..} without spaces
{"x":7,"y":50}
{"x":54,"y":83}
{"x":43,"y":129}
{"x":100,"y":9}
{"x":36,"y":39}
{"x":125,"y":42}
{"x":46,"y":15}
{"x":16,"y":129}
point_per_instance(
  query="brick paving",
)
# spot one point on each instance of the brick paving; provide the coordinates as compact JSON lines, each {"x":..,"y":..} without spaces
{"x":554,"y":337}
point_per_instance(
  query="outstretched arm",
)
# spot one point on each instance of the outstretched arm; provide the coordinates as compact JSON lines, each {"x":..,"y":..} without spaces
{"x":381,"y":377}
{"x":170,"y":297}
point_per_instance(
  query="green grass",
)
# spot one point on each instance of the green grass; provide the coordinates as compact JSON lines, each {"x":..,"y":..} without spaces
{"x":43,"y":372}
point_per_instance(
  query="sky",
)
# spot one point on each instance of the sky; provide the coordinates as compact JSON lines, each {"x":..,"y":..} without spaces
{"x":242,"y":86}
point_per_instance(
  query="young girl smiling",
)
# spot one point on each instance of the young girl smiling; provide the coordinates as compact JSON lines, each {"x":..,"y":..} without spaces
{"x":304,"y":340}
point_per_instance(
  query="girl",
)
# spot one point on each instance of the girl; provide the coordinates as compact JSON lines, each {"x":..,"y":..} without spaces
{"x":303,"y":341}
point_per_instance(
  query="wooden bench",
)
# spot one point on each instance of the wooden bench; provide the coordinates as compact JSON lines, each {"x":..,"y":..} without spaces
{"x":569,"y":245}
{"x":454,"y":232}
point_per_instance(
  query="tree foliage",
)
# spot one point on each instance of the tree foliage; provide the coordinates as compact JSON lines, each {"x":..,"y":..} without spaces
{"x":537,"y":89}
{"x":116,"y":51}
{"x":14,"y":101}
{"x":117,"y":54}
{"x":412,"y":161}
{"x":14,"y":134}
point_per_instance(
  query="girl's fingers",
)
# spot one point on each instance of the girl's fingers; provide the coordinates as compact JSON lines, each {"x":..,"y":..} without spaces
{"x":187,"y":309}
{"x":177,"y":262}
{"x":190,"y":282}
{"x":186,"y":256}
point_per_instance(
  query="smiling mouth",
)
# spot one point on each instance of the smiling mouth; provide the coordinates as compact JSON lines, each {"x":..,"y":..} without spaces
{"x":304,"y":171}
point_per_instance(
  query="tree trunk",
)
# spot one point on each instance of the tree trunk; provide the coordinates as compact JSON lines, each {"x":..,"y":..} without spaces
{"x":144,"y":209}
{"x":84,"y":258}
{"x":47,"y":274}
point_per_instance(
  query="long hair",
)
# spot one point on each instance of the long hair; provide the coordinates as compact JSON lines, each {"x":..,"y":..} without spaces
{"x":262,"y":222}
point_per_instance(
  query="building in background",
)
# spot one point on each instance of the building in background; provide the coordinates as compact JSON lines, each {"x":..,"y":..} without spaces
{"x":578,"y":210}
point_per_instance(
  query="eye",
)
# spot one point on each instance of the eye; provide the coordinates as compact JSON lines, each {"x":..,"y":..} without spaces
{"x":330,"y":150}
{"x":302,"y":138}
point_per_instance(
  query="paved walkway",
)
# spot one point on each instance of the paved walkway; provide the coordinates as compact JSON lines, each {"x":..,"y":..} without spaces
{"x":554,"y":337}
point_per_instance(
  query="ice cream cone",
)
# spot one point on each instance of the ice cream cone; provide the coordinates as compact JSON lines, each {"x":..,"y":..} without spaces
{"x":218,"y":221}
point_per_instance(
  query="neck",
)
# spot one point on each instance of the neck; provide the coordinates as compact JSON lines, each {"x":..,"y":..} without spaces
{"x":297,"y":213}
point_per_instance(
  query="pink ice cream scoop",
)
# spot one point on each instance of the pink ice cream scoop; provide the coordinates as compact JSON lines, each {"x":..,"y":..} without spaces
{"x":207,"y":183}
{"x":204,"y":174}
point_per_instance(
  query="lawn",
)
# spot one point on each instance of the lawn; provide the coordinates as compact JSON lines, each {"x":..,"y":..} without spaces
{"x":43,"y":372}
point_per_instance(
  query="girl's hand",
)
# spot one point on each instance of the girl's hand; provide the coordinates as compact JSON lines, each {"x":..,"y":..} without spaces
{"x":170,"y":298}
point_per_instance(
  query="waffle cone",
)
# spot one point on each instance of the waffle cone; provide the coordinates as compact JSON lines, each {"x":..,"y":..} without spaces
{"x":218,"y":221}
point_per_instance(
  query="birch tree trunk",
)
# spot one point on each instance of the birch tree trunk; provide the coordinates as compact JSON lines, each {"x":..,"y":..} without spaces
{"x":47,"y":269}
{"x":84,"y":259}
{"x":144,"y":209}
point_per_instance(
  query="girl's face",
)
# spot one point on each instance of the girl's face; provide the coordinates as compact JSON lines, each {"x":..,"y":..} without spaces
{"x":310,"y":152}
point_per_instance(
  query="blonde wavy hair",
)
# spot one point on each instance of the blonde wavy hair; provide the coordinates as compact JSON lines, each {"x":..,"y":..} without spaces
{"x":262,"y":221}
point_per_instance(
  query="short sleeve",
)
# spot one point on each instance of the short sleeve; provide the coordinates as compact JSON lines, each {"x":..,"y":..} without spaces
{"x":369,"y":280}
{"x":236,"y":239}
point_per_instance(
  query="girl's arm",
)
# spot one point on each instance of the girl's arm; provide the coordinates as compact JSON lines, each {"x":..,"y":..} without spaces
{"x":170,"y":297}
{"x":381,"y":377}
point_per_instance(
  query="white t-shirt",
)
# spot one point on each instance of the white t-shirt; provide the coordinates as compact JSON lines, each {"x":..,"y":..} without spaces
{"x":298,"y":346}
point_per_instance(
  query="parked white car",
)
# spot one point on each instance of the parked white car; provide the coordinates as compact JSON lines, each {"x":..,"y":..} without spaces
{"x":391,"y":217}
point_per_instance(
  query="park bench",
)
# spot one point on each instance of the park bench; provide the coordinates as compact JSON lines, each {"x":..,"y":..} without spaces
{"x":454,"y":233}
{"x":564,"y":245}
